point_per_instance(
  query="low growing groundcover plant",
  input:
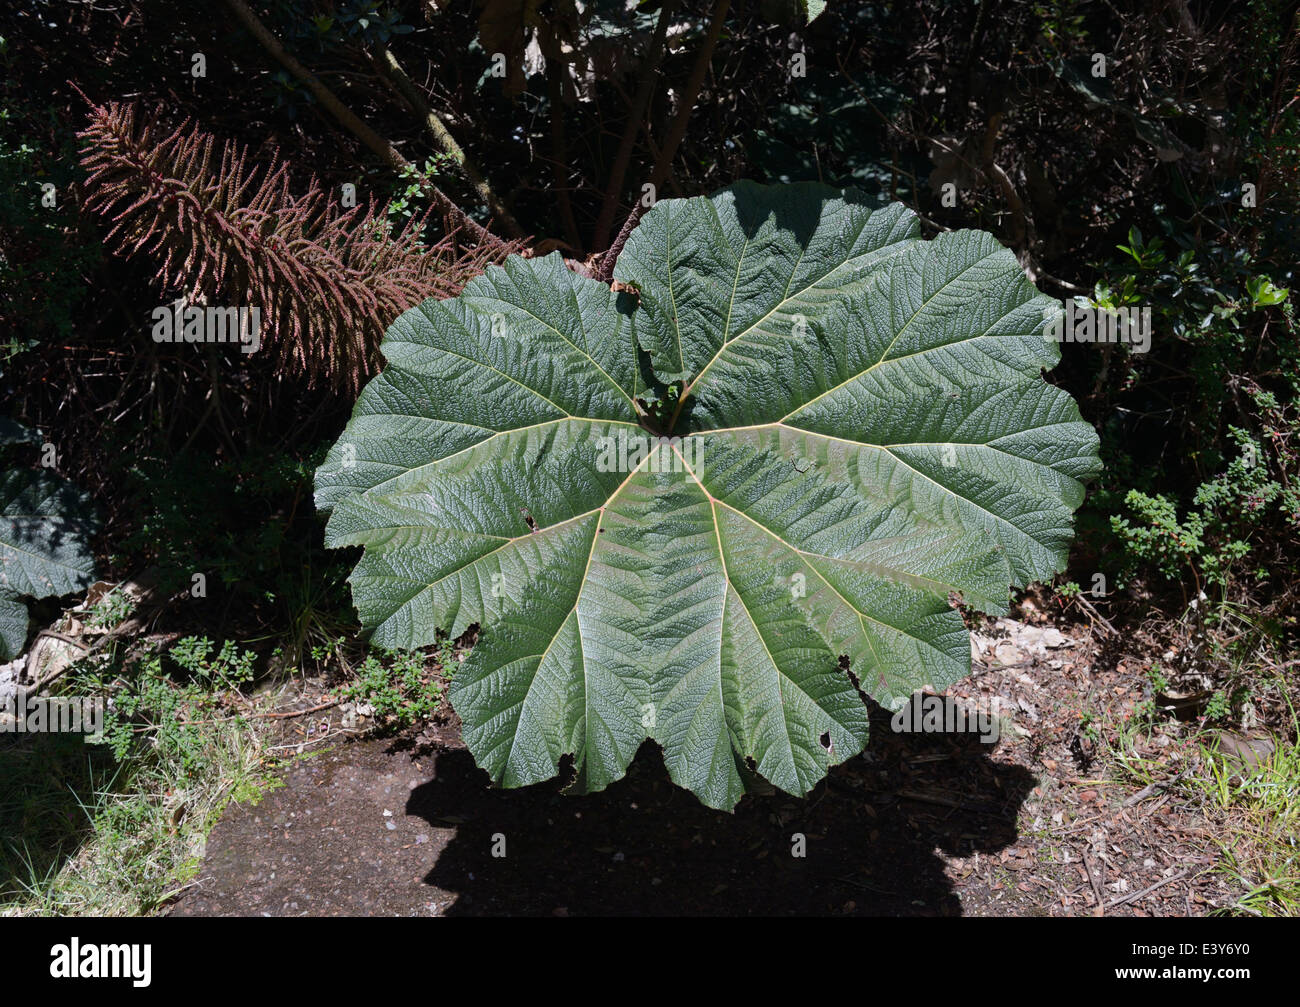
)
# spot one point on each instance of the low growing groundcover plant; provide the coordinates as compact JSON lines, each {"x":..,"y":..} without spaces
{"x":718,"y":504}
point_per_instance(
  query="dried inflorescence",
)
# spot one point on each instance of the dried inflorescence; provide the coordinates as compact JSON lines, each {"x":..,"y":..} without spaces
{"x":328,"y":279}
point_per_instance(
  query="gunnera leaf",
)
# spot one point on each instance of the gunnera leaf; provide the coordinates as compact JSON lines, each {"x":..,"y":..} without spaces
{"x":682,"y":511}
{"x":45,"y":524}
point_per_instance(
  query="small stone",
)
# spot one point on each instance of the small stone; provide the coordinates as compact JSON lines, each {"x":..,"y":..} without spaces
{"x":1029,"y":636}
{"x":1007,"y":654}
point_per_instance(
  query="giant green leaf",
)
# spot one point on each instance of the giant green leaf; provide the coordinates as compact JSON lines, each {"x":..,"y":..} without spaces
{"x":13,"y":624}
{"x":45,"y":524}
{"x":852,"y":429}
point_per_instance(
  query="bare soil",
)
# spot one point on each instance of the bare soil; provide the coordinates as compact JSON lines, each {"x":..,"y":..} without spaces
{"x":918,"y":825}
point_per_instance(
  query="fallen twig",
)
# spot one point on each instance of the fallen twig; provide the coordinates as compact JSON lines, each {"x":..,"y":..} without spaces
{"x":1092,"y":879}
{"x":1152,"y":788}
{"x":1125,"y":900}
{"x":295,"y":713}
{"x":943,"y":800}
{"x":1092,"y":610}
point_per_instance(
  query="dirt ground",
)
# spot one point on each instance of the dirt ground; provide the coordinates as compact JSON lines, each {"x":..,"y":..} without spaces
{"x":918,"y":825}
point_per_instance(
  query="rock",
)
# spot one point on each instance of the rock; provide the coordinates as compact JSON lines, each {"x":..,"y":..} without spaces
{"x":1028,"y":637}
{"x":1006,"y":653}
{"x":1053,"y":638}
{"x":10,"y":675}
{"x":52,"y":656}
{"x":1242,"y":754}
